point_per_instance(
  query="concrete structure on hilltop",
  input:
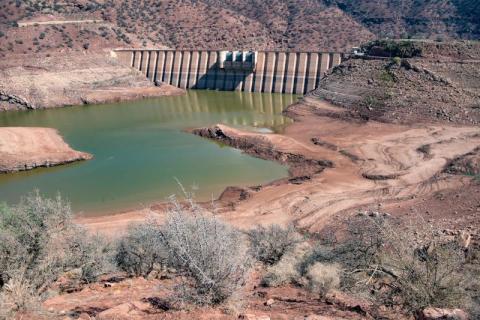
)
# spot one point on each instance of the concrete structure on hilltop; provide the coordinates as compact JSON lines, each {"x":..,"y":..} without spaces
{"x":257,"y":71}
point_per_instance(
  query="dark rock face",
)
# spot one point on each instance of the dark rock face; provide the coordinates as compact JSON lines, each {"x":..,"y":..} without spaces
{"x":13,"y":102}
{"x":257,"y":146}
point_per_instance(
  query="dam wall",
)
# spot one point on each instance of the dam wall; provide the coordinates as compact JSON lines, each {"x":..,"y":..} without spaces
{"x":259,"y":71}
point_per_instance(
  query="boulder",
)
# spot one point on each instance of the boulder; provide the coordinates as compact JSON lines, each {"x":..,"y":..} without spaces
{"x":84,"y":316}
{"x":442,"y":314}
{"x":126,"y":310}
{"x":269,"y":302}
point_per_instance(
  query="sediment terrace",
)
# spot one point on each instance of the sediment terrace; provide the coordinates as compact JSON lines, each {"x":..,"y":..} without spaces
{"x":368,"y":163}
{"x":29,"y":82}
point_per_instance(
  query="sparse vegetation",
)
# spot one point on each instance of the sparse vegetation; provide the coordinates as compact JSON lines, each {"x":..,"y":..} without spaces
{"x":210,"y":253}
{"x":270,"y":244}
{"x":402,"y":268}
{"x":38,"y":243}
{"x":141,"y":250}
{"x":411,"y":269}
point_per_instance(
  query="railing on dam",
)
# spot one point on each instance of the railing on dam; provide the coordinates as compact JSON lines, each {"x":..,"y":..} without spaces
{"x":283,"y":72}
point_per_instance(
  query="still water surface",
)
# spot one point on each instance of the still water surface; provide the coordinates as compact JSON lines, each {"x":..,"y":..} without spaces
{"x":140,"y":148}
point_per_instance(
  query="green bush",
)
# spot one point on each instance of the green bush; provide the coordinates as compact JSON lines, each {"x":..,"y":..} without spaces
{"x":397,"y":60}
{"x":387,"y":77}
{"x":393,"y":48}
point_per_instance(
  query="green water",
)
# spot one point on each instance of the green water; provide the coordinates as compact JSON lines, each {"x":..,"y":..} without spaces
{"x":140,"y":149}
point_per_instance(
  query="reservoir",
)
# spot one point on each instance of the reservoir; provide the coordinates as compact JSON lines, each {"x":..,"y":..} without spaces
{"x":141,"y":149}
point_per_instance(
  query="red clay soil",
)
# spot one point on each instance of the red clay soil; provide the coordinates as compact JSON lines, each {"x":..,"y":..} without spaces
{"x":412,"y":171}
{"x":122,"y":298}
{"x":28,"y":148}
{"x":357,"y":163}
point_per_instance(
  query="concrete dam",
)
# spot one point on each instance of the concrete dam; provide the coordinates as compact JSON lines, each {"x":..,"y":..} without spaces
{"x":250,"y":71}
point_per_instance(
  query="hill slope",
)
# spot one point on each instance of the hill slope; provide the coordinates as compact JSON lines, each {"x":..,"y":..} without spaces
{"x":439,"y":83}
{"x":279,"y":24}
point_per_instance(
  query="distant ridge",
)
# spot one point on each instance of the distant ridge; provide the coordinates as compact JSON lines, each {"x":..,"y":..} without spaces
{"x":319,"y":25}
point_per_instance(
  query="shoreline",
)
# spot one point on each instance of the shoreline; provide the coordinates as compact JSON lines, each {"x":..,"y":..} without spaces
{"x":76,"y":79}
{"x":356,"y":163}
{"x":27,"y":148}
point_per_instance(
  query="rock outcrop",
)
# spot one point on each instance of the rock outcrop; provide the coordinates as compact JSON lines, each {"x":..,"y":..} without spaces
{"x":442,"y":314}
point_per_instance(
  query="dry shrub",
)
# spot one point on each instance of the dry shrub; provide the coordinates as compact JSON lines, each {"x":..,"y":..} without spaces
{"x":322,"y":278}
{"x":141,"y":250}
{"x":38,"y":243}
{"x":209,"y":253}
{"x":409,"y":267}
{"x":286,"y":271}
{"x":413,"y":268}
{"x":17,"y":295}
{"x":318,"y":277}
{"x":269,"y":244}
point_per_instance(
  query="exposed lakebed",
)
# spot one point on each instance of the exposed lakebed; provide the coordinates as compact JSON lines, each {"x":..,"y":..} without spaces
{"x":141,"y":148}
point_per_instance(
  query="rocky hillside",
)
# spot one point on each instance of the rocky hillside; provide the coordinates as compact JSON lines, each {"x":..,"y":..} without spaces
{"x":416,"y":18}
{"x":409,"y":82}
{"x":280,"y":24}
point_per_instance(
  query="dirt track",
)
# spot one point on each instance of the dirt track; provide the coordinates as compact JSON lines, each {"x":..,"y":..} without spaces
{"x":52,"y":22}
{"x":372,"y":162}
{"x":28,"y":148}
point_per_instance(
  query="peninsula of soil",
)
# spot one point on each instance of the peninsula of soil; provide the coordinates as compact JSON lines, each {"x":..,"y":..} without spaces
{"x":23,"y":148}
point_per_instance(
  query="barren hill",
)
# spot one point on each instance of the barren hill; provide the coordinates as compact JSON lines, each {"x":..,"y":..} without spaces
{"x":279,"y":24}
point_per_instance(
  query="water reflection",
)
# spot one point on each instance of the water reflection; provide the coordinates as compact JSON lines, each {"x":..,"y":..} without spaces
{"x":140,"y":147}
{"x":232,"y":108}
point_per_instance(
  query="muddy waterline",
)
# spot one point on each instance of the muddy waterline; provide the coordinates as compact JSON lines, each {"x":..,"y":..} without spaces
{"x":140,"y":149}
